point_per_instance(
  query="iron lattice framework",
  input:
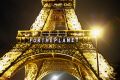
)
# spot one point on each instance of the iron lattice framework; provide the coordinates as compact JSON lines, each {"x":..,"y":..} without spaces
{"x":55,"y":42}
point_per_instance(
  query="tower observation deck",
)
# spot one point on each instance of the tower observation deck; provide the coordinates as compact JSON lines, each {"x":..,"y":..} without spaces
{"x":55,"y":42}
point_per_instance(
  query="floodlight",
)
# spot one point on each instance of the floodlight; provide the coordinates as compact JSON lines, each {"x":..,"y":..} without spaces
{"x":96,"y":32}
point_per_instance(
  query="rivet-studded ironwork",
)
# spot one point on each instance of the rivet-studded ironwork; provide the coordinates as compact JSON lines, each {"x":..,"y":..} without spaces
{"x":55,"y":42}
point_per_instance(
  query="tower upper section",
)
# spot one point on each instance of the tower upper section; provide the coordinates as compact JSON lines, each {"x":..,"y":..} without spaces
{"x":57,"y":15}
{"x":59,"y":2}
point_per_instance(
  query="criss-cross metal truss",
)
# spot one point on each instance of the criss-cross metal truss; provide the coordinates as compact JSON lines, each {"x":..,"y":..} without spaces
{"x":55,"y":42}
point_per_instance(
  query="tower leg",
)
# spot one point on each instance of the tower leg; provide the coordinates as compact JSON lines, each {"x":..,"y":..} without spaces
{"x":4,"y":78}
{"x":31,"y":71}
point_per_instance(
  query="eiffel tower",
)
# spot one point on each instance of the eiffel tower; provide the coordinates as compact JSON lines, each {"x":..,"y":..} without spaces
{"x":55,"y":42}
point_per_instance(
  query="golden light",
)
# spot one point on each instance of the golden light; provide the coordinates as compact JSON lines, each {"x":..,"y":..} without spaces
{"x":96,"y":32}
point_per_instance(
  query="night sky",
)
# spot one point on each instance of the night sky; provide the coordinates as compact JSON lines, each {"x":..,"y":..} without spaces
{"x":20,"y":14}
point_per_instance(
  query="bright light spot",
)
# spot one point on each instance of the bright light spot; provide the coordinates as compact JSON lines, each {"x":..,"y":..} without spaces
{"x":55,"y":77}
{"x":97,"y":32}
{"x":1,"y":67}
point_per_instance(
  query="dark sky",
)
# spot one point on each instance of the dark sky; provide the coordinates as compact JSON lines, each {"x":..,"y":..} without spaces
{"x":20,"y":14}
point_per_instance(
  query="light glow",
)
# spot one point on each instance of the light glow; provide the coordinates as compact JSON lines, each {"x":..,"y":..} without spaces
{"x":55,"y":77}
{"x":96,"y":32}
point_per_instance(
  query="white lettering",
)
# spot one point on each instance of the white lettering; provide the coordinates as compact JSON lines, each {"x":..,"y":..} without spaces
{"x":63,"y":40}
{"x":31,"y":40}
{"x":54,"y":40}
{"x":34,"y":40}
{"x":47,"y":40}
{"x":72,"y":39}
{"x":77,"y":39}
{"x":68,"y":39}
{"x":38,"y":40}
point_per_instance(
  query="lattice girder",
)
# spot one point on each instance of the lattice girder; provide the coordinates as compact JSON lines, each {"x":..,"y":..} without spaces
{"x":83,"y":51}
{"x":46,"y":47}
{"x":9,"y":58}
{"x":37,"y":57}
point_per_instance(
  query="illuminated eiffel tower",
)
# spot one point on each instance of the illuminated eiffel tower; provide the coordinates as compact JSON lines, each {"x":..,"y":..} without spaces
{"x":55,"y":42}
